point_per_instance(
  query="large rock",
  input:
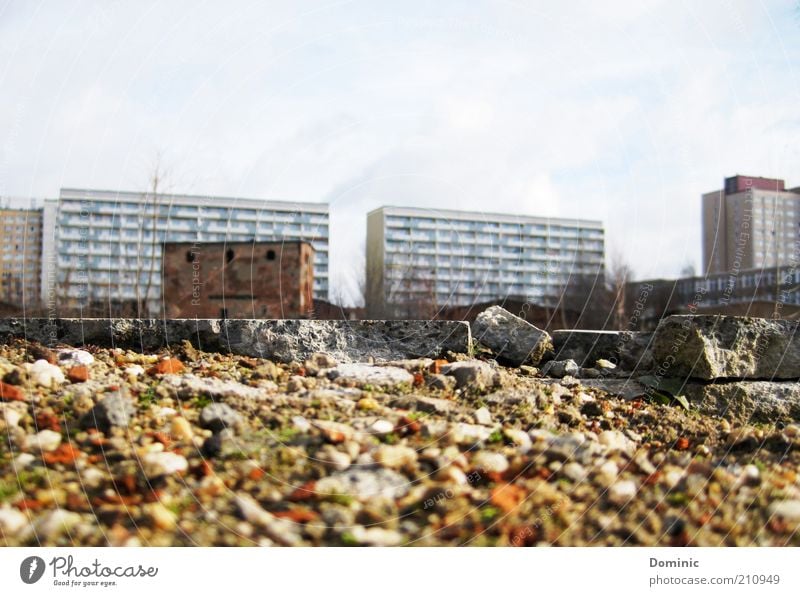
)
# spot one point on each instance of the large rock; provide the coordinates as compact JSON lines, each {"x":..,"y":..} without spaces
{"x":288,"y":340}
{"x":511,"y":338}
{"x":747,"y":401}
{"x":711,"y":347}
{"x":114,"y":410}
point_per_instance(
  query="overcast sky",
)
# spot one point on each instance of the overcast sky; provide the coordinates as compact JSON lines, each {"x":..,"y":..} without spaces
{"x":619,"y":111}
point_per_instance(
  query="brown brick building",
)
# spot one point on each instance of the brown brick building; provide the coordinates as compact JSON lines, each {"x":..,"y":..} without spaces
{"x":241,"y":280}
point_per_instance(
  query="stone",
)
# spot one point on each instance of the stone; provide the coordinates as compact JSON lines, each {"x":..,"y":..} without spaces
{"x":161,"y":517}
{"x":560,"y":368}
{"x":574,"y":471}
{"x":572,"y":447}
{"x":519,"y":438}
{"x":163,"y":463}
{"x":615,"y":441}
{"x":364,"y":484}
{"x":46,"y":440}
{"x":78,"y":373}
{"x":490,"y":462}
{"x":189,"y":386}
{"x":73,"y":357}
{"x":381,"y":427}
{"x":397,"y":457}
{"x":10,"y":392}
{"x":622,"y":491}
{"x":114,"y":410}
{"x":472,"y":374}
{"x":470,"y":434}
{"x":11,"y":521}
{"x":9,"y":417}
{"x":181,"y":429}
{"x":626,"y":389}
{"x":787,"y":510}
{"x":366,"y":374}
{"x":709,"y":347}
{"x":281,"y":531}
{"x":483,"y":416}
{"x":44,"y":374}
{"x":422,"y":403}
{"x":510,"y":337}
{"x":284,"y":340}
{"x":440,"y":382}
{"x":747,"y":401}
{"x":335,"y":432}
{"x":54,"y":523}
{"x":217,"y":417}
{"x":375,"y":536}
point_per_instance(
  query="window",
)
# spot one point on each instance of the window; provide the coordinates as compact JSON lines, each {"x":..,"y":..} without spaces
{"x":271,"y":255}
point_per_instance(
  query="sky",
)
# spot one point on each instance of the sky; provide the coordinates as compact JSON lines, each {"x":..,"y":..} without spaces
{"x":623,"y":112}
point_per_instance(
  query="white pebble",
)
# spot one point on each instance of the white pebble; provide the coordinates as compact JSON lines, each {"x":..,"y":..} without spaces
{"x":483,"y":416}
{"x":621,"y":492}
{"x":163,"y":464}
{"x":72,"y":357}
{"x":381,"y":427}
{"x":11,"y":521}
{"x":44,"y":374}
{"x":490,"y":461}
{"x":46,"y":440}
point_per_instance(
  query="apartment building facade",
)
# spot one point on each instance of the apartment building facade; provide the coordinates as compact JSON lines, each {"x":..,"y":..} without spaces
{"x":751,"y":223}
{"x":20,"y":257}
{"x":103,"y":249}
{"x":441,"y":258}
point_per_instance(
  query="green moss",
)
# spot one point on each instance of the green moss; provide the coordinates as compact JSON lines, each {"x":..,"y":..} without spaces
{"x":496,"y":436}
{"x":148,"y":397}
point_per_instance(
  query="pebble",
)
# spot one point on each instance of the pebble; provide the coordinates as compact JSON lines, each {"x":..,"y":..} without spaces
{"x":519,"y":437}
{"x":301,"y":424}
{"x":44,"y":374}
{"x":490,"y":461}
{"x":280,"y":531}
{"x":181,"y":429}
{"x":335,"y":432}
{"x":72,"y":357}
{"x":472,"y":374}
{"x":295,"y":384}
{"x":164,"y":463}
{"x":440,"y":382}
{"x":335,"y":459}
{"x":396,"y":457}
{"x":560,"y":369}
{"x":161,"y":517}
{"x":607,"y":473}
{"x":376,"y":536}
{"x":54,"y":523}
{"x":381,"y":427}
{"x":621,"y":492}
{"x":483,"y":416}
{"x":217,"y":417}
{"x":787,"y":510}
{"x":11,"y":521}
{"x":574,"y":471}
{"x":114,"y":410}
{"x":603,"y":363}
{"x":46,"y":440}
{"x":365,"y":484}
{"x":134,"y":372}
{"x":9,"y":416}
{"x":23,"y":460}
{"x":470,"y":434}
{"x":187,"y":386}
{"x":365,"y":374}
{"x":78,"y":374}
{"x":616,"y":442}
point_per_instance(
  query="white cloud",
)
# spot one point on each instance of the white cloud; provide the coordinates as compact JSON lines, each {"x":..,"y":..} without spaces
{"x":614,"y":111}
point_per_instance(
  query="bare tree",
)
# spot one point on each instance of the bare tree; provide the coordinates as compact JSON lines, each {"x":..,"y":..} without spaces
{"x":617,"y":279}
{"x":157,"y":176}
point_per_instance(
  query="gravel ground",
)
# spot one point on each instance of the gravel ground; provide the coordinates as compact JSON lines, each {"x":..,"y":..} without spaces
{"x":112,"y":447}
